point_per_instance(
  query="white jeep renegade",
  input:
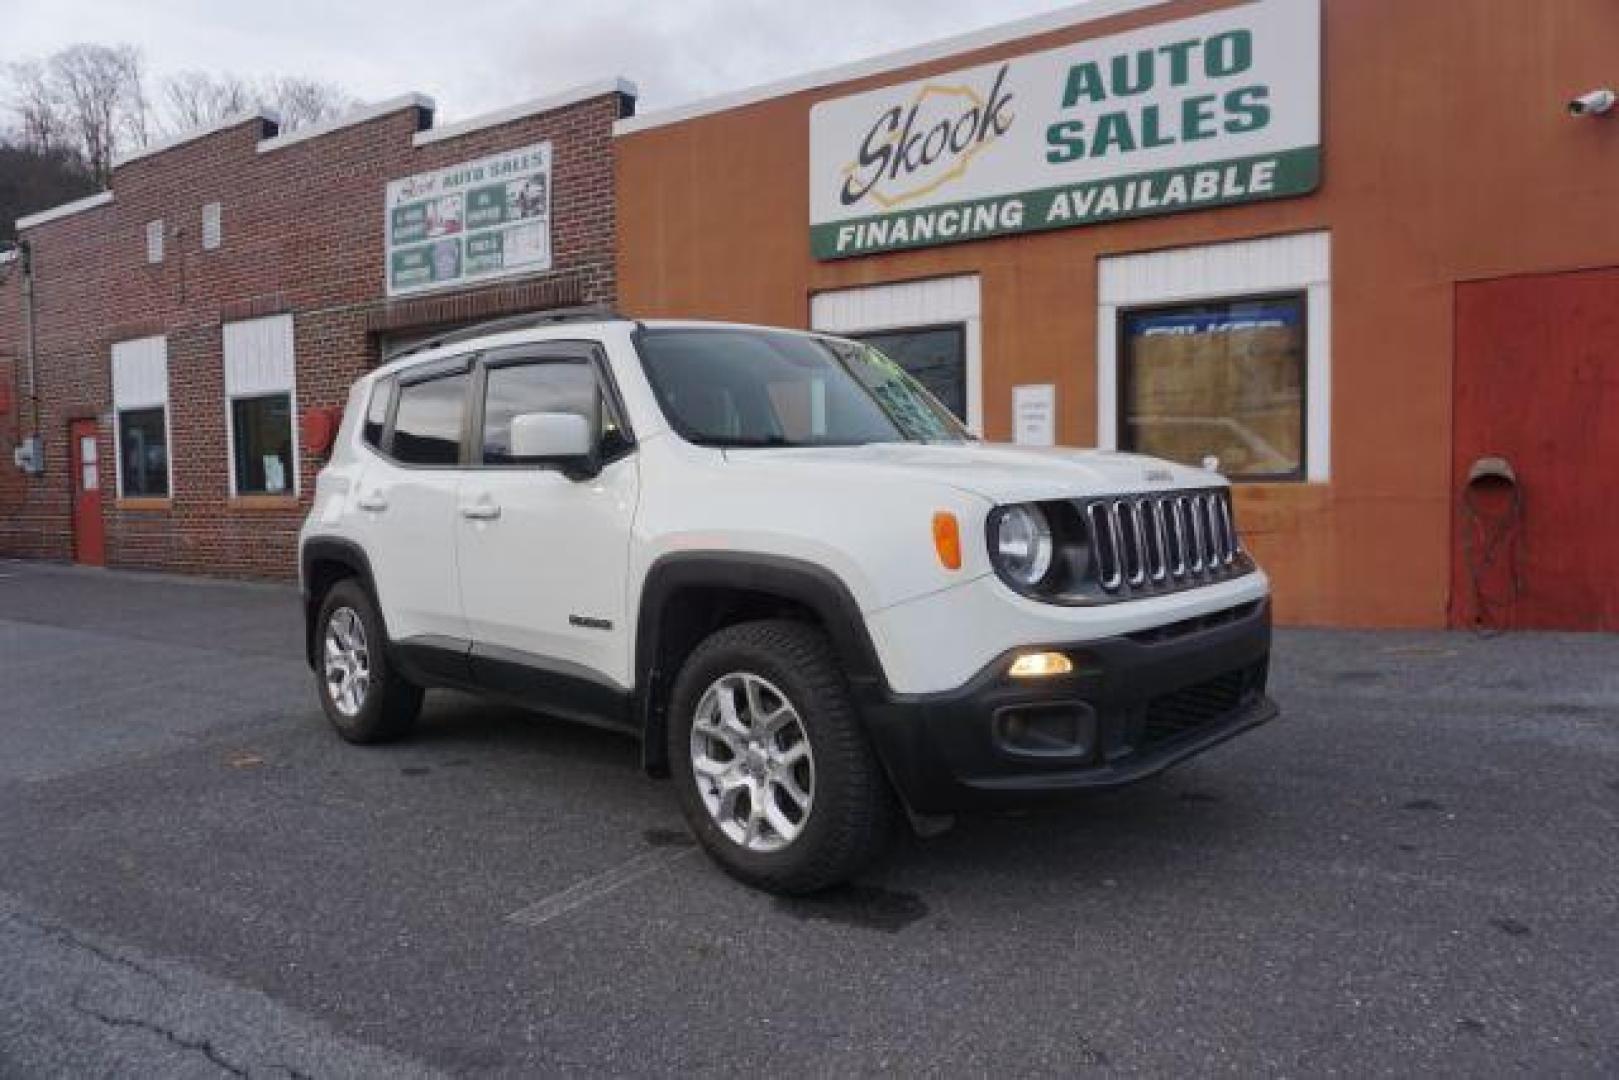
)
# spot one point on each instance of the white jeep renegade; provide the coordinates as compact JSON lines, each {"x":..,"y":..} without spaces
{"x":814,"y":596}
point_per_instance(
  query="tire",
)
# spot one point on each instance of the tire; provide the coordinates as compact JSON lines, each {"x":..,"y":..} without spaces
{"x":849,"y":815}
{"x":387,"y":706}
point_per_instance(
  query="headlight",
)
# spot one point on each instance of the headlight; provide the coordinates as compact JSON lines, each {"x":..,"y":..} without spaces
{"x":1020,"y":541}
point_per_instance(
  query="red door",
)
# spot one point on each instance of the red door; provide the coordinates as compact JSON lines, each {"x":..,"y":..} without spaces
{"x":89,"y":531}
{"x":1537,"y":384}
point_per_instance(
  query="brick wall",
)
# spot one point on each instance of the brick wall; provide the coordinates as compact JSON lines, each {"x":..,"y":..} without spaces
{"x":302,"y":234}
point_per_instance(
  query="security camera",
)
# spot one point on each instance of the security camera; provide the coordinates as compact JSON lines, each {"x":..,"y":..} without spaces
{"x":1595,"y":103}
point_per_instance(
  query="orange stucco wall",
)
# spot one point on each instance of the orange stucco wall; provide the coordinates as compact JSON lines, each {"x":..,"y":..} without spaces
{"x":1448,"y":156}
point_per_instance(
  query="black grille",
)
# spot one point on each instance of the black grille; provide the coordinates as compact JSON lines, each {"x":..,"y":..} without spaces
{"x":1145,"y":544}
{"x":1214,"y":619}
{"x":1174,"y":715}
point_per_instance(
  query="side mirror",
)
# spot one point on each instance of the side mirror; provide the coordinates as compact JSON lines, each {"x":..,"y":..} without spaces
{"x":564,"y":439}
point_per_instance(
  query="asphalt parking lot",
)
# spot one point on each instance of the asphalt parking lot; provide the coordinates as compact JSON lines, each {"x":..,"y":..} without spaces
{"x":1416,"y":870}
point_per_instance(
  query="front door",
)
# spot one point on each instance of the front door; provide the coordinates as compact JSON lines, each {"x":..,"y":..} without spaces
{"x":543,"y":558}
{"x":89,"y":530}
{"x":1536,"y":452}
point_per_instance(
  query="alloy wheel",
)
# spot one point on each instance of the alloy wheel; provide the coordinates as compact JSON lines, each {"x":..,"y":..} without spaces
{"x":348,"y":661}
{"x":752,"y":762}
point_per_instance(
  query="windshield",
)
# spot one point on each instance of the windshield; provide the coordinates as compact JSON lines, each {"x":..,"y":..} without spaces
{"x":725,"y":387}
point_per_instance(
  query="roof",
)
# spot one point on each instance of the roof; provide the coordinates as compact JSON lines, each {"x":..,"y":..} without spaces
{"x":616,"y":85}
{"x":263,"y":114}
{"x":363,"y":114}
{"x":89,"y":202}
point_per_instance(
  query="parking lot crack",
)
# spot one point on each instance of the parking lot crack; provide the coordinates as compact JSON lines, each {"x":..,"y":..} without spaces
{"x":64,"y":936}
{"x":204,"y":1047}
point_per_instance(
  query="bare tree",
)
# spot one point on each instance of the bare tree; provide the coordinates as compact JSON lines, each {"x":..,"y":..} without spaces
{"x":91,"y":101}
{"x":87,"y":98}
{"x":100,"y":86}
{"x":194,"y":99}
{"x":43,"y":125}
{"x":302,"y":101}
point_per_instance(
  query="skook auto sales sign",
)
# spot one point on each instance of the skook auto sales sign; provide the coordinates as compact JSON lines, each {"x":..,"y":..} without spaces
{"x":1209,"y":111}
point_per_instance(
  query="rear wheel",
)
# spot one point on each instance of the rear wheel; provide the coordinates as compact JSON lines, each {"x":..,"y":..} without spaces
{"x":776,"y":776}
{"x":366,"y":701}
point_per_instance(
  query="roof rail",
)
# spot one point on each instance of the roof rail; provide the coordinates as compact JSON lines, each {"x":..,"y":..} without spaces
{"x":527,"y":321}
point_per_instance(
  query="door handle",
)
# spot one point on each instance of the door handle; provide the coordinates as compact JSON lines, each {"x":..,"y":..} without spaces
{"x":481,"y":511}
{"x":372,"y":500}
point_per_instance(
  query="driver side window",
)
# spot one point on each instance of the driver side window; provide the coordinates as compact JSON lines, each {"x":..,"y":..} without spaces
{"x":555,"y":386}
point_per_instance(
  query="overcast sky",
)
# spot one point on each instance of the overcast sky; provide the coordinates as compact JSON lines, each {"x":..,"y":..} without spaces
{"x":475,"y":55}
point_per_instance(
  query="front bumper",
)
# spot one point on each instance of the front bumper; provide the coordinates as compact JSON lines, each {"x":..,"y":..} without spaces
{"x":1134,"y":706}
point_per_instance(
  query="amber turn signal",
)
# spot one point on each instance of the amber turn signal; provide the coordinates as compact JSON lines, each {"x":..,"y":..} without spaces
{"x":947,"y":539}
{"x":1037,"y":665}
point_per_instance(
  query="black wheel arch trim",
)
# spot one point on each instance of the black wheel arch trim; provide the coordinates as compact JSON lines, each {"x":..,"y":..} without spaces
{"x":813,"y":586}
{"x":345,"y":553}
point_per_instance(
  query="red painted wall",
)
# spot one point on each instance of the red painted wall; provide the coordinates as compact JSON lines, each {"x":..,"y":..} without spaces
{"x":1537,"y":382}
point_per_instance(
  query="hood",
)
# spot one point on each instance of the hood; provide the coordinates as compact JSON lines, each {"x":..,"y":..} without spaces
{"x":999,"y":472}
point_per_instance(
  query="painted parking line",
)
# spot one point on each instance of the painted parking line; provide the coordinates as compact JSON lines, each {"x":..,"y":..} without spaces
{"x":597,"y":886}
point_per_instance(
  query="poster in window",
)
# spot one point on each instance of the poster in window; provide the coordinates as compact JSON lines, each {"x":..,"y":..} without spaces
{"x":1221,"y":380}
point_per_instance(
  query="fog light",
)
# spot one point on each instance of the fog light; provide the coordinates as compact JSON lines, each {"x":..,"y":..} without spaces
{"x":1038,"y":665}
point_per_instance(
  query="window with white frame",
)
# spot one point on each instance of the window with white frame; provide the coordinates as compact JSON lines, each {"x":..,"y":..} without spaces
{"x":260,"y":406}
{"x":140,"y":401}
{"x":1220,"y":354}
{"x":931,"y":328}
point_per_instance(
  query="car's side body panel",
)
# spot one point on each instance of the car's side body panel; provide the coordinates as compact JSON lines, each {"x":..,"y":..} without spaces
{"x":547,"y":576}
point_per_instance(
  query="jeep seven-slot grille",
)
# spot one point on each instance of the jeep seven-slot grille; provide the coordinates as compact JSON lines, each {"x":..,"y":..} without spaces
{"x":1162,"y":542}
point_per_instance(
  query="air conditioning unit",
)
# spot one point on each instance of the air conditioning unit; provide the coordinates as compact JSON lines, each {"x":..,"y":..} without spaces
{"x":30,"y":456}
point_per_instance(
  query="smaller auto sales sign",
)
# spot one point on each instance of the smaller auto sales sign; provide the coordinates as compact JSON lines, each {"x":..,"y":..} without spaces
{"x":1209,"y":111}
{"x":482,"y":219}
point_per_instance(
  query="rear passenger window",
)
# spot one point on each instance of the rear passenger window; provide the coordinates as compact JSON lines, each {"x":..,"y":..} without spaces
{"x":428,"y":422}
{"x":376,"y":414}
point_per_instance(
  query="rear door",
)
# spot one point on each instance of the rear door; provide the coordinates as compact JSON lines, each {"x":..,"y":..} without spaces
{"x":405,"y":509}
{"x":543,"y":558}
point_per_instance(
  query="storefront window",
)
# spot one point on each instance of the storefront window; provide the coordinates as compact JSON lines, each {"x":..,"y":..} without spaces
{"x":261,"y":429}
{"x":143,"y":453}
{"x":1222,"y":380}
{"x":934,"y":356}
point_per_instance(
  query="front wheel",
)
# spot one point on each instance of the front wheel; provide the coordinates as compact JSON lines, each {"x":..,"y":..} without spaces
{"x":776,"y":776}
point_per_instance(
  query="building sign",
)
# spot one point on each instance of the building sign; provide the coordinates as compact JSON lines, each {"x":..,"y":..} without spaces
{"x":483,"y":219}
{"x":1219,"y":109}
